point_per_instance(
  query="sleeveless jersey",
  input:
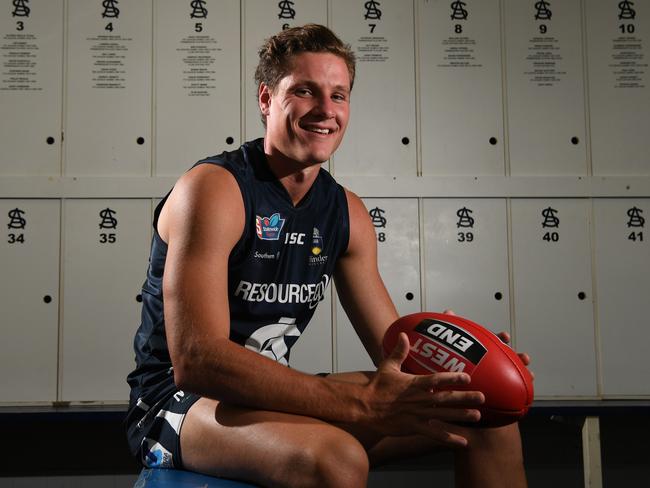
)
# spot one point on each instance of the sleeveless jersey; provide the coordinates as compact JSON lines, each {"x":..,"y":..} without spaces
{"x":277,"y":272}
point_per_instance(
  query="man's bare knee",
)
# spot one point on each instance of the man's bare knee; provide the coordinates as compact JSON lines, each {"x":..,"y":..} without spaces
{"x":336,"y":460}
{"x":505,"y":438}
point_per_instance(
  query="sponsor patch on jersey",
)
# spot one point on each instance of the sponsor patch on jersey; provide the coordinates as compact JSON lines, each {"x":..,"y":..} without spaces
{"x":316,"y":242}
{"x":447,"y":346}
{"x":316,"y":258}
{"x":266,"y":255}
{"x":297,"y":293}
{"x":269,"y":228}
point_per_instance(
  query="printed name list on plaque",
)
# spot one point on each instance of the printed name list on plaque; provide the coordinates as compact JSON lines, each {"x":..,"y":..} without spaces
{"x":372,"y":47}
{"x":21,"y":50}
{"x":197,"y":51}
{"x":544,"y":50}
{"x":109,"y":50}
{"x":459,"y":49}
{"x":628,"y":63}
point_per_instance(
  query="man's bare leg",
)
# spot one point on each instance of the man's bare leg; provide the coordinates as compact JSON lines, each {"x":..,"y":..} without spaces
{"x":277,"y":449}
{"x":492,"y":458}
{"x":270,"y":448}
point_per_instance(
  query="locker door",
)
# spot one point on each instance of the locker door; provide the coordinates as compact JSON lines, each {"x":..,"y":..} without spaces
{"x":313,"y":351}
{"x":106,"y":245}
{"x":108,"y":113}
{"x":546,"y":111}
{"x":398,"y":245}
{"x":623,"y":283}
{"x":466,"y":259}
{"x":460,"y":87}
{"x":553,"y":303}
{"x":380,"y":138}
{"x":197,"y":81}
{"x":31,"y":42}
{"x":263,"y":19}
{"x":618,"y":48}
{"x":29,"y":299}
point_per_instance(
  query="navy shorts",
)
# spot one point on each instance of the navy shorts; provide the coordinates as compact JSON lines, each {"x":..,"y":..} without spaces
{"x":154,"y":431}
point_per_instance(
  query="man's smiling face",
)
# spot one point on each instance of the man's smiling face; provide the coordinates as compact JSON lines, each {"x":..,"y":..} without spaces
{"x":308,"y":112}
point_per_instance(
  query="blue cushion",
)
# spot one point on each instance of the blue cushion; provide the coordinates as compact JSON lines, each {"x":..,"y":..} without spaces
{"x":168,"y":478}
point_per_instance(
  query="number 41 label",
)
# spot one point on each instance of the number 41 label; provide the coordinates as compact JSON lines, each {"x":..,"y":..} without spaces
{"x":635,"y":236}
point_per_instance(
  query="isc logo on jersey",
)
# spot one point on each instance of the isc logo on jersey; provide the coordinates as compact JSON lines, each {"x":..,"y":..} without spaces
{"x":269,"y":228}
{"x":443,"y":345}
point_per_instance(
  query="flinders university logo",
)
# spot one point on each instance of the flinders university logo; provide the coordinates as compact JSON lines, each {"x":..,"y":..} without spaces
{"x":269,"y":228}
{"x":316,"y":242}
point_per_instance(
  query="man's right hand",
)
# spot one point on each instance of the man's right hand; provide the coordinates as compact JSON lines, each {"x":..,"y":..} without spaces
{"x":402,"y":404}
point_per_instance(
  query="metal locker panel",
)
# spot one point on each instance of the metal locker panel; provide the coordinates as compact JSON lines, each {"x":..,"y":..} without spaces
{"x":380,"y":138}
{"x":29,"y":299}
{"x":553,"y":304}
{"x":313,"y":351}
{"x":197,"y":81}
{"x":108,"y":95}
{"x":261,"y":20}
{"x":106,"y":246}
{"x":623,"y":281}
{"x":618,"y":48}
{"x":461,"y":109}
{"x":31,"y":42}
{"x":546,"y":109}
{"x":466,"y":259}
{"x":398,"y":246}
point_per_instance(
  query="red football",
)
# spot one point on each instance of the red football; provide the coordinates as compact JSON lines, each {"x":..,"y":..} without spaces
{"x":441,"y":342}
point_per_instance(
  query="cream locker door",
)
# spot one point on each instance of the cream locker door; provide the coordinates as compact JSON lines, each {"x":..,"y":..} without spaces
{"x":106,"y":245}
{"x":618,"y":49}
{"x":262,"y":19}
{"x":553,"y":303}
{"x":108,"y":95}
{"x":398,"y":245}
{"x":31,"y":42}
{"x":313,"y":351}
{"x":197,"y":81}
{"x":546,"y":109}
{"x":623,"y":285}
{"x":380,"y":138}
{"x":460,"y":87}
{"x":466,"y":259}
{"x":29,"y":299}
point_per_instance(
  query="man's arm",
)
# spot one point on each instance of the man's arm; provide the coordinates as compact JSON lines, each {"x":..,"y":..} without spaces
{"x":359,"y":285}
{"x":201,"y":222}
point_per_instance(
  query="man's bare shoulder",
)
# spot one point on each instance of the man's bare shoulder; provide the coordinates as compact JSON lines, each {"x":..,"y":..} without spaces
{"x":362,"y":232}
{"x":356,"y":206}
{"x":205,"y":195}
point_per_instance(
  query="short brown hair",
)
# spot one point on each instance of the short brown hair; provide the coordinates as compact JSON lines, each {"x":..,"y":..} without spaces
{"x":277,"y":52}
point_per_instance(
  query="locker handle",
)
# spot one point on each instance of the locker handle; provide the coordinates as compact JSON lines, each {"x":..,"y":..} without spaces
{"x":47,"y":298}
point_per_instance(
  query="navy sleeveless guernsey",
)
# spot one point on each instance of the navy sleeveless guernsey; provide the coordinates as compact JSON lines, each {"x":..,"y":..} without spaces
{"x":277,"y":272}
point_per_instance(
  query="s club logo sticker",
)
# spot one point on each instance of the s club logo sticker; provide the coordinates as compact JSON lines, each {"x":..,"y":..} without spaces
{"x":269,"y":228}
